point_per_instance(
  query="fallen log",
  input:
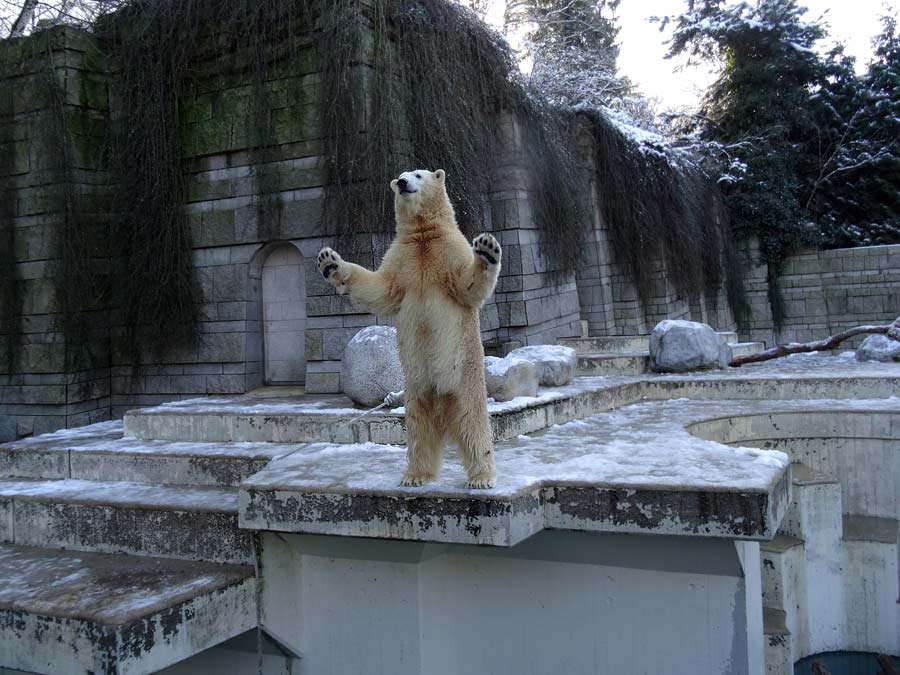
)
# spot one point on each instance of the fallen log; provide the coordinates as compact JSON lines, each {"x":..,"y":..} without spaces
{"x":892,"y":330}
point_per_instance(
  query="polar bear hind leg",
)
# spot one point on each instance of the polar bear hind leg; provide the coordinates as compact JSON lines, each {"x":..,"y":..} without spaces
{"x":426,"y":428}
{"x":472,"y":430}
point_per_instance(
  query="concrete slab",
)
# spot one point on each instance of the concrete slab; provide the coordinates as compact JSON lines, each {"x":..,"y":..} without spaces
{"x":197,"y":523}
{"x":634,"y":469}
{"x":625,"y":363}
{"x":101,"y":452}
{"x":65,"y":612}
{"x":307,"y":420}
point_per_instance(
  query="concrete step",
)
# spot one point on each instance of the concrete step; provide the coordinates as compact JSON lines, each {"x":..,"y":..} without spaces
{"x":781,"y":561}
{"x":64,"y":612}
{"x":607,"y":344}
{"x":871,"y":589}
{"x":195,"y":523}
{"x":635,"y":363}
{"x":99,"y":452}
{"x":308,"y":420}
{"x":746,"y":348}
{"x":619,"y":344}
{"x":777,"y":643}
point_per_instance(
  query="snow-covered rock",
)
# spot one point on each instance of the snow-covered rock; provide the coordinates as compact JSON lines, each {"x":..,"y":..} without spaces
{"x":679,"y":346}
{"x":509,"y":377}
{"x":370,"y":369}
{"x":878,"y":348}
{"x":555,"y":365}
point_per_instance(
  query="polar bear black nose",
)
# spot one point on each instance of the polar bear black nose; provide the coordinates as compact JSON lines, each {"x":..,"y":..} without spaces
{"x":402,"y":182}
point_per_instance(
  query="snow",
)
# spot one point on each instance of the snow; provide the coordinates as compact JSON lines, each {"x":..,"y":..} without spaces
{"x":122,"y":493}
{"x":107,"y":437}
{"x":498,"y":367}
{"x":642,"y":446}
{"x":98,"y":587}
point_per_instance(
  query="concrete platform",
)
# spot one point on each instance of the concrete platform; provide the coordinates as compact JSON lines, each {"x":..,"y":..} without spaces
{"x":197,"y":523}
{"x":101,"y":452}
{"x":63,"y":612}
{"x":307,"y":420}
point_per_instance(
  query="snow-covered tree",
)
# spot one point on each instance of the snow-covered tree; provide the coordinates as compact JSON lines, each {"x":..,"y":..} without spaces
{"x":854,"y":181}
{"x":759,"y":105}
{"x":572,"y":44}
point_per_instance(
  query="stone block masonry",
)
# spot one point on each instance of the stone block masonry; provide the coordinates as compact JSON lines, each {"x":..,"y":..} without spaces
{"x":55,"y":200}
{"x":249,"y":197}
{"x":826,"y":292}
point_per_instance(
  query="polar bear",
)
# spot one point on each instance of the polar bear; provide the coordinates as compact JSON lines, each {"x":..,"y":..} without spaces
{"x":435,"y":283}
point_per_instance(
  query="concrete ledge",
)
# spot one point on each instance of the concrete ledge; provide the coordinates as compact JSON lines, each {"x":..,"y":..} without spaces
{"x":64,"y":613}
{"x":101,"y":453}
{"x":313,"y":419}
{"x":188,"y":523}
{"x":613,"y":364}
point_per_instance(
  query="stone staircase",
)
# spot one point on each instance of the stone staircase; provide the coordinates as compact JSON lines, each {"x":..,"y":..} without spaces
{"x":107,"y":575}
{"x":830,"y":580}
{"x":630,"y":354}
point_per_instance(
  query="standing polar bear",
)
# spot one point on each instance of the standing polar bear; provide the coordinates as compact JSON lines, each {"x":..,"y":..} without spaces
{"x":435,"y":283}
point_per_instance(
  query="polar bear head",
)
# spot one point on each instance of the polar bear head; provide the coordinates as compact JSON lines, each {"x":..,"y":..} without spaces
{"x":420,"y":195}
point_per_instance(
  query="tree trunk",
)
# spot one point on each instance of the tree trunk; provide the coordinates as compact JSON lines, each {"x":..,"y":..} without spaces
{"x":892,"y":330}
{"x":21,"y":23}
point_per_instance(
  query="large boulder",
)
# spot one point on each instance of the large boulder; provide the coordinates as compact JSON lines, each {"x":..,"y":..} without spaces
{"x":370,"y":369}
{"x":878,"y":348}
{"x":555,"y":364}
{"x":509,"y":377}
{"x":681,"y":346}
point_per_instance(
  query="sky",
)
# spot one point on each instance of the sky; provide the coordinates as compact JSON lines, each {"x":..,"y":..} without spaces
{"x":853,"y":22}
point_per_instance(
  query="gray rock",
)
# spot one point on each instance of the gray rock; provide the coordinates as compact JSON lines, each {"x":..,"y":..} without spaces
{"x":509,"y":377}
{"x":878,"y":348}
{"x":555,"y":365}
{"x":681,"y":346}
{"x":370,"y":368}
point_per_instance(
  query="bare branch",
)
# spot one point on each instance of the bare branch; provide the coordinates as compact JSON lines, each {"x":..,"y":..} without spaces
{"x":892,"y":330}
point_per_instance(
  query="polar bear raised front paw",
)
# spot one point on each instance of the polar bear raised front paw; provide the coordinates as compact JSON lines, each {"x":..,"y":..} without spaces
{"x":488,"y":248}
{"x":330,"y":264}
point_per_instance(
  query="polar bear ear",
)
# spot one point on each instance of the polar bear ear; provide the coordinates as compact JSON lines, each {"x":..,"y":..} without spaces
{"x":439,"y":174}
{"x":394,"y":185}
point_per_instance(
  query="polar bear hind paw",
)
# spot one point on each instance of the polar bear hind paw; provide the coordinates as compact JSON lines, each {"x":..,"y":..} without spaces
{"x":416,"y":479}
{"x":486,"y":246}
{"x":482,"y":481}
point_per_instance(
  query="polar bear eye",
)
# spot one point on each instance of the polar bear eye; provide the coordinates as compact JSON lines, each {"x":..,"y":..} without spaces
{"x":418,"y":175}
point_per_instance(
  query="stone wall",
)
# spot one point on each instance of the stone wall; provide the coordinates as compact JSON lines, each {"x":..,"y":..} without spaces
{"x":249,"y":197}
{"x":55,"y":204}
{"x":826,"y":292}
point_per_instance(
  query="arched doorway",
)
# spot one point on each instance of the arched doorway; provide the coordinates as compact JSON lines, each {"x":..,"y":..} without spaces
{"x":284,"y":316}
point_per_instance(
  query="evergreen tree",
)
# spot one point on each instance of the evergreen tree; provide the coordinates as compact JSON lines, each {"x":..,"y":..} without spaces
{"x":573,"y":46}
{"x":759,"y":105}
{"x":854,"y":183}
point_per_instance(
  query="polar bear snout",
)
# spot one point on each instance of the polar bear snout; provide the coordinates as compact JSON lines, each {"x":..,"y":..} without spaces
{"x":408,"y":184}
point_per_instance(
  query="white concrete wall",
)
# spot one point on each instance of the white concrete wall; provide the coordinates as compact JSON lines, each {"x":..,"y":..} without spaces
{"x":559,"y":602}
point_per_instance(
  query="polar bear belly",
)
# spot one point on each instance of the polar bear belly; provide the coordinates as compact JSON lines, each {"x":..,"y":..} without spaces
{"x":430,"y":337}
